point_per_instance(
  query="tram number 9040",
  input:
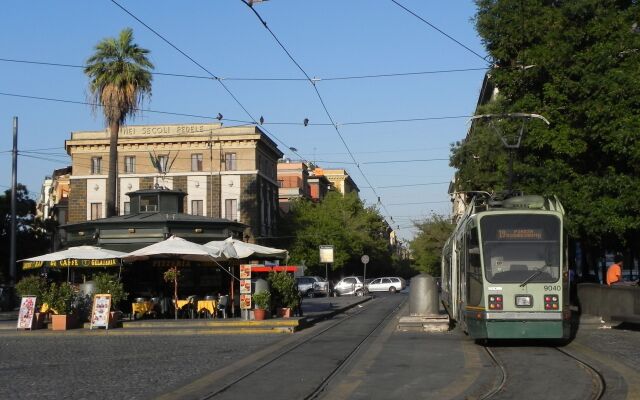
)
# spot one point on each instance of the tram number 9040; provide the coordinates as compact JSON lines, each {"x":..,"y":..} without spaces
{"x":552,"y":288}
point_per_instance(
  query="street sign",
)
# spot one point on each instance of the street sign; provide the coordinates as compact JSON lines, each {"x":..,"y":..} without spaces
{"x":364,"y":259}
{"x":326,"y":254}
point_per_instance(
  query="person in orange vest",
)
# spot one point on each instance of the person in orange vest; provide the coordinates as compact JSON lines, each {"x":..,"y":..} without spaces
{"x":614,"y":273}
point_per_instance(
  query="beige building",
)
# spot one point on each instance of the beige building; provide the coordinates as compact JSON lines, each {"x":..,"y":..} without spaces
{"x":339,"y":179}
{"x":227,"y":172}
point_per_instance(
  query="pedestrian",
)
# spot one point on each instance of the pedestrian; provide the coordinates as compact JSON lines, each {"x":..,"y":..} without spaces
{"x":614,"y":273}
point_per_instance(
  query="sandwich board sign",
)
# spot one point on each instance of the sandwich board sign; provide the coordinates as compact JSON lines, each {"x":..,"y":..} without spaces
{"x":100,"y":311}
{"x":26,"y":314}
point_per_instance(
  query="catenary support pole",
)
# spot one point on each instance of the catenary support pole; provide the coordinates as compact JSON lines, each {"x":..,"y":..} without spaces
{"x":14,"y":182}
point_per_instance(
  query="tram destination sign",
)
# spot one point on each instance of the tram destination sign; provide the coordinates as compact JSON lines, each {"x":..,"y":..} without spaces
{"x":519,"y":234}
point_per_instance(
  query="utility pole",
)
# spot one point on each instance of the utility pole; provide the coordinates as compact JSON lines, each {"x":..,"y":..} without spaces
{"x":14,"y":182}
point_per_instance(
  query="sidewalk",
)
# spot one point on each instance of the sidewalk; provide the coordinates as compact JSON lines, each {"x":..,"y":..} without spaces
{"x":313,"y":310}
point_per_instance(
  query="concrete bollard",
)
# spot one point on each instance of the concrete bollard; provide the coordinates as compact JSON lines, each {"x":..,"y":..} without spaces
{"x":423,"y":298}
{"x":424,"y":307}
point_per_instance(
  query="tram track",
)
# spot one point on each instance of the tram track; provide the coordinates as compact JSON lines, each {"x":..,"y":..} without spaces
{"x":598,"y":383}
{"x":318,"y":390}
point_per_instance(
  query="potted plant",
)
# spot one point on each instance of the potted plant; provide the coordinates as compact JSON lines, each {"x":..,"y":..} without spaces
{"x":110,"y":284}
{"x":34,"y":286}
{"x":262,"y":301}
{"x":61,"y":298}
{"x":172,"y":275}
{"x":285,"y":293}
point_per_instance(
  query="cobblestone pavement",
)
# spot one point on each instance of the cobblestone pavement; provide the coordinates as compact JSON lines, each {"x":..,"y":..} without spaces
{"x":114,"y":367}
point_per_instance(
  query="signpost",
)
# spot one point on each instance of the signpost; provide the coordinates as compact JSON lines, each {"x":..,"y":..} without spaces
{"x":100,"y":311}
{"x":27,"y":309}
{"x":245,"y":289}
{"x":326,"y":257}
{"x":365,"y":261}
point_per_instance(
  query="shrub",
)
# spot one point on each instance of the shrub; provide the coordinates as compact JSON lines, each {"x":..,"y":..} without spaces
{"x":61,"y":298}
{"x":262,"y":299}
{"x":108,"y":283}
{"x":32,"y":286}
{"x":285,"y":291}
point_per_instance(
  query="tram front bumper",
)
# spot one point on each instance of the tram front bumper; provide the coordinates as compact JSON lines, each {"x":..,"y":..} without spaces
{"x":519,"y":326}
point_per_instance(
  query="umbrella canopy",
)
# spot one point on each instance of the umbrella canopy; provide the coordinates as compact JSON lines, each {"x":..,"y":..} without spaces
{"x":80,"y":256}
{"x":236,"y":249}
{"x":175,"y":247}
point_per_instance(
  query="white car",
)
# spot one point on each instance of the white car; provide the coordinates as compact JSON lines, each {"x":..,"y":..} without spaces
{"x":349,"y":285}
{"x":387,"y":284}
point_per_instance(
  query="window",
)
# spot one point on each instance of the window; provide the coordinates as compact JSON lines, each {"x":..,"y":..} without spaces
{"x":197,"y":207}
{"x":231,"y":209}
{"x":196,"y":162}
{"x":163,"y":162}
{"x":96,"y":165}
{"x":127,"y":208}
{"x":129,"y":164}
{"x":148,"y":203}
{"x":96,"y":211}
{"x":230,"y":161}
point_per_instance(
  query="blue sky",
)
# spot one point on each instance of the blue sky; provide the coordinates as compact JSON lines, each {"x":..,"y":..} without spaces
{"x":329,"y":38}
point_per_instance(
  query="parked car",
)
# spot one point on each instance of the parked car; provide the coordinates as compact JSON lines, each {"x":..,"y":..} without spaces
{"x":387,"y":284}
{"x":350,"y":285}
{"x":312,"y":286}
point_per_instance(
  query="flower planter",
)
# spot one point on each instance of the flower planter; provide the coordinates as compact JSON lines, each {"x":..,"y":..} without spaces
{"x":62,"y":322}
{"x":259,"y":314}
{"x":39,"y":320}
{"x":285,"y":312}
{"x":115,"y":319}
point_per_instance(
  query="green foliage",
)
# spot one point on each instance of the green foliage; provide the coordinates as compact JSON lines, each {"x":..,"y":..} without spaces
{"x":31,"y":239}
{"x":341,"y":221}
{"x":119,"y":79}
{"x":61,"y":297}
{"x":262,"y":299}
{"x":284,"y":289}
{"x":171,"y":275}
{"x":32,"y":286}
{"x":109,"y":284}
{"x":582,"y":74}
{"x":427,"y":245}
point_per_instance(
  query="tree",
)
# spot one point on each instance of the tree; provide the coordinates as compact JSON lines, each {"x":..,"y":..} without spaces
{"x":428,"y":243}
{"x":341,"y":221}
{"x":31,"y":239}
{"x":575,"y":62}
{"x":119,"y":79}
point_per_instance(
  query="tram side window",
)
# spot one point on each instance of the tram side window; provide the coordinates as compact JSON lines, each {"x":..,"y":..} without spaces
{"x":474,"y":268}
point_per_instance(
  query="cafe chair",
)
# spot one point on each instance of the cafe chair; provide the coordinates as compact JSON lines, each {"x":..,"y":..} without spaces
{"x":222,"y":305}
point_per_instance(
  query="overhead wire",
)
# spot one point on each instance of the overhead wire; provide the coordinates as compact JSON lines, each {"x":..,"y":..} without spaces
{"x":484,"y":58}
{"x":317,"y":79}
{"x":217,"y":79}
{"x":322,"y":102}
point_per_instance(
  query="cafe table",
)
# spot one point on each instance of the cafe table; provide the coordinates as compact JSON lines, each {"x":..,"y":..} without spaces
{"x":207,"y":305}
{"x":142,"y":308}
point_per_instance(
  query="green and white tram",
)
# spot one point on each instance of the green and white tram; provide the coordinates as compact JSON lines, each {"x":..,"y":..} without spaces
{"x":504,"y":269}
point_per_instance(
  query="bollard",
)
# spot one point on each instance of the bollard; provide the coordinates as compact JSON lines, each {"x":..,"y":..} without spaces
{"x":423,"y":298}
{"x":424,"y":307}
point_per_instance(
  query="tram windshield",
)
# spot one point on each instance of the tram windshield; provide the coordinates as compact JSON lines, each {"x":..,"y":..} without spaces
{"x":516,"y":247}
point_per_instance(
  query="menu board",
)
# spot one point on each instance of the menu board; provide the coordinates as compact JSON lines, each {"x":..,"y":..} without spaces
{"x":100,"y":311}
{"x":27,"y":309}
{"x":245,"y":271}
{"x":245,"y":301}
{"x":245,"y":286}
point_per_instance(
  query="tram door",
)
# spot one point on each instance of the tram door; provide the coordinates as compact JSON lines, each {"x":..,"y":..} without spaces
{"x":461,"y":259}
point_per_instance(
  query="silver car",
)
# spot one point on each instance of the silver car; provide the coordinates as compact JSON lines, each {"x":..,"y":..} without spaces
{"x":387,"y":284}
{"x":349,"y":285}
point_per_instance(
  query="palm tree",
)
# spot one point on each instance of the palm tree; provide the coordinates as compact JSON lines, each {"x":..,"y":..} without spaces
{"x":119,"y":79}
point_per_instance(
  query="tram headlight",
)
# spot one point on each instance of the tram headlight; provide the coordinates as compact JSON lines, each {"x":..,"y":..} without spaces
{"x":524,"y":301}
